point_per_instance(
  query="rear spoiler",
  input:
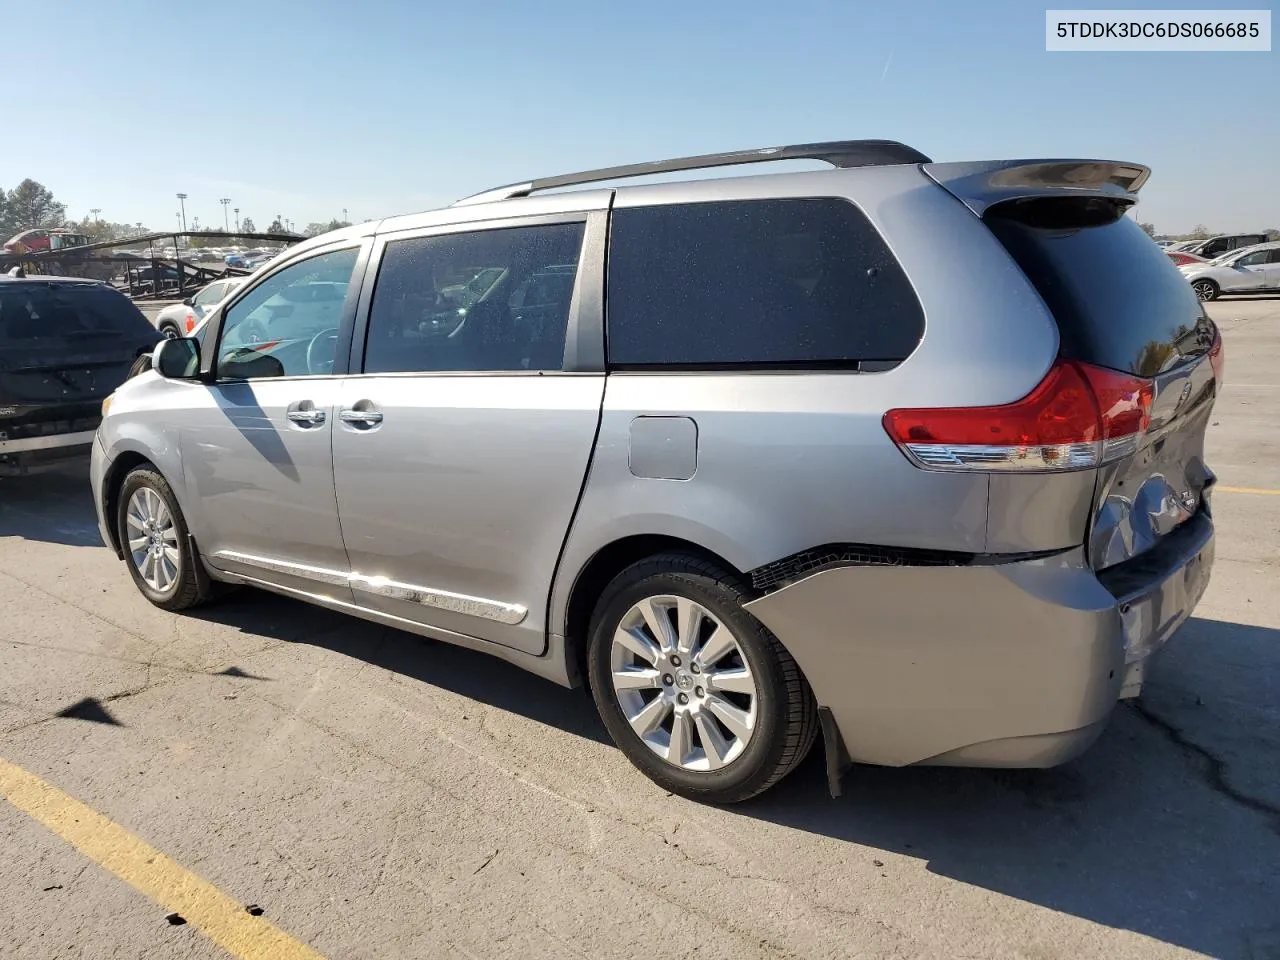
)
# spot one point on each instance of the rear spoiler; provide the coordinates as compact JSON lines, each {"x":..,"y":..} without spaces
{"x":984,"y":183}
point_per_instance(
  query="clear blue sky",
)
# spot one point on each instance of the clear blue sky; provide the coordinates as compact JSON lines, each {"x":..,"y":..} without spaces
{"x":392,"y":106}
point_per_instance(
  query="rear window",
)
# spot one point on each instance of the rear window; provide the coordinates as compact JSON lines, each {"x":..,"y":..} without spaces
{"x":770,"y":283}
{"x":1118,"y":299}
{"x":43,"y":312}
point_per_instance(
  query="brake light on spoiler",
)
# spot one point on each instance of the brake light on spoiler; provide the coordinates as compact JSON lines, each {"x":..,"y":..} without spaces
{"x":1078,"y":417}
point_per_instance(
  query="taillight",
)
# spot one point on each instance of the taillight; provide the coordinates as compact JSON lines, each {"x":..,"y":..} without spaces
{"x":1077,"y":417}
{"x":1217,"y":359}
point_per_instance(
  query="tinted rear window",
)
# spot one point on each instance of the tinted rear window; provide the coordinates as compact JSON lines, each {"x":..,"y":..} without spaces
{"x":37,"y":312}
{"x":1118,"y":299}
{"x":755,"y":283}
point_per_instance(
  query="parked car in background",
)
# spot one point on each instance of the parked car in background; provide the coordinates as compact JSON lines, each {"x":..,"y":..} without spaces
{"x":991,"y":529}
{"x":179,"y":319}
{"x":65,"y":344}
{"x":1181,"y":257}
{"x":1215,"y":247}
{"x":1254,"y":269}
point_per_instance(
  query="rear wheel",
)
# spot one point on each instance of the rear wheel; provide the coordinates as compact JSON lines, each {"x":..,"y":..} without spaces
{"x":157,"y":550}
{"x":1206,"y":289}
{"x":694,"y":690}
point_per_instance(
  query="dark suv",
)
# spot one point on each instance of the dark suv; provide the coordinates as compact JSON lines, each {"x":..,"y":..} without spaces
{"x":65,"y":345}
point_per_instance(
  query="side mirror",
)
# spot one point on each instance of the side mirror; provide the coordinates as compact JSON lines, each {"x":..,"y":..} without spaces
{"x":188,"y":301}
{"x":177,"y":358}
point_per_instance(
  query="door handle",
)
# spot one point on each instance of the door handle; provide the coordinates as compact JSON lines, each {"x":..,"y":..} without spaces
{"x":364,"y":418}
{"x":306,"y":416}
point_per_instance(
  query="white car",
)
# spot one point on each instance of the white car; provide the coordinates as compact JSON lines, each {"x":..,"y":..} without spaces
{"x":1252,"y":270}
{"x":180,"y":319}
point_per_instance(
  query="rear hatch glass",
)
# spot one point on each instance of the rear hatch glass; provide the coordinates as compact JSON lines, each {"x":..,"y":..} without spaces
{"x":1120,"y":302}
{"x":62,"y":343}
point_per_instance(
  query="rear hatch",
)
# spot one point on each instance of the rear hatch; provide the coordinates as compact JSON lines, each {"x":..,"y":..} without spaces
{"x":63,"y":348}
{"x":1121,"y":305}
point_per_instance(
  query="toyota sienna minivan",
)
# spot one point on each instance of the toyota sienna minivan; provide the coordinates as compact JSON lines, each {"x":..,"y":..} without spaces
{"x":906,"y":454}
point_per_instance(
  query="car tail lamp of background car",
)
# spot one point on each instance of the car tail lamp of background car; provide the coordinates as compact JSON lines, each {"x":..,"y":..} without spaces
{"x":1079,"y":416}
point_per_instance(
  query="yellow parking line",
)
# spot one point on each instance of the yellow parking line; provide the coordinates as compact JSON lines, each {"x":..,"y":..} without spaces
{"x":146,"y":869}
{"x":1263,"y":491}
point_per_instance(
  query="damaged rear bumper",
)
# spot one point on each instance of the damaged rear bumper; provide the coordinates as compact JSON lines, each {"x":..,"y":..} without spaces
{"x":1005,"y":665}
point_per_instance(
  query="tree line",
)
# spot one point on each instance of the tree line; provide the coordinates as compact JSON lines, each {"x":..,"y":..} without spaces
{"x":1201,"y":232}
{"x":31,"y":205}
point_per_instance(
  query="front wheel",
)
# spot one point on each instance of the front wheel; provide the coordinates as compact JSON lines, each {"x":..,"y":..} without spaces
{"x":156,"y":547}
{"x":693,"y":689}
{"x":1205,"y":290}
{"x":169,"y":331}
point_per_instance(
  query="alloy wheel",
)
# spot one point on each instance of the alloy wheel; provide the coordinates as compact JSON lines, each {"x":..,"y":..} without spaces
{"x":683,"y":683}
{"x":153,"y":539}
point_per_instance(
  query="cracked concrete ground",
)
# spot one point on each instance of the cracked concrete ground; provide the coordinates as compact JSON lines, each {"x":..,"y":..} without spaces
{"x":380,"y":796}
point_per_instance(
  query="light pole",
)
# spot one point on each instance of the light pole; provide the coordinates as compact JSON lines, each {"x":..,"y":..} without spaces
{"x":95,"y":211}
{"x":344,"y":215}
{"x":182,"y":206}
{"x":237,"y":209}
{"x":225,"y":201}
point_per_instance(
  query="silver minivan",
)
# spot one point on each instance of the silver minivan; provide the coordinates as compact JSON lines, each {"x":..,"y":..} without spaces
{"x":906,"y":453}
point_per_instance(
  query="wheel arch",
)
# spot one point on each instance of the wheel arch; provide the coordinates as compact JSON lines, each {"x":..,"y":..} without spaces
{"x":605,"y":564}
{"x":124,"y":464}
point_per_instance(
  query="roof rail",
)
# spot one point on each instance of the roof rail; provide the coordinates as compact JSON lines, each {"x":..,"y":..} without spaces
{"x":838,"y":153}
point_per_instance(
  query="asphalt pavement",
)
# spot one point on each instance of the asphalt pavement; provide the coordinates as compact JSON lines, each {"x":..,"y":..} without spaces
{"x":372,"y":794}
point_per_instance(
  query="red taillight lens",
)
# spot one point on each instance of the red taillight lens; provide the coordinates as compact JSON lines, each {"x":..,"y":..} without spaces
{"x":1217,"y":359}
{"x":1077,"y":417}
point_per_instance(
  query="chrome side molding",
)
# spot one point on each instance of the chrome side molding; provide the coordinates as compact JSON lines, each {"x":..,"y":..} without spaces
{"x":496,"y":610}
{"x":510,"y":613}
{"x":318,"y":574}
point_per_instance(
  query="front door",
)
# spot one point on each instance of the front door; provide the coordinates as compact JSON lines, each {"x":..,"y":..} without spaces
{"x":461,"y":447}
{"x":1251,"y":272}
{"x":257,"y":442}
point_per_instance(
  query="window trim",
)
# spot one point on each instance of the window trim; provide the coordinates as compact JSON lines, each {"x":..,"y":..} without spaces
{"x":584,"y":329}
{"x":362,"y":246}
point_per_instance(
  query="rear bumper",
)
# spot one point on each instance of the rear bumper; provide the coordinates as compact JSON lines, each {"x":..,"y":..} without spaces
{"x":1010,"y":665}
{"x":26,"y":455}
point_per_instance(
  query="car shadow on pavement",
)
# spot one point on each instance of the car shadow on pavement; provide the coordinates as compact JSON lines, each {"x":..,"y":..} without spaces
{"x":1168,"y":826}
{"x":55,"y":506}
{"x":1148,"y":831}
{"x":469,"y":673}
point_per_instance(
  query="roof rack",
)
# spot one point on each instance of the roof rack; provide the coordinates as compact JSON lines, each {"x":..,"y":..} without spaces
{"x":838,"y":153}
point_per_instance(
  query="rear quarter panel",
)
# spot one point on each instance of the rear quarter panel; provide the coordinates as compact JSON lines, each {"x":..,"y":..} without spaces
{"x":790,"y":461}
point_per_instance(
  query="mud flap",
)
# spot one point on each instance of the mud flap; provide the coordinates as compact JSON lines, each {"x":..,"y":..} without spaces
{"x":833,"y":746}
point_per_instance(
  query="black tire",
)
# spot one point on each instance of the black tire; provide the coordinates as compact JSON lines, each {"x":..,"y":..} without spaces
{"x":170,"y":330}
{"x":190,"y":587}
{"x":786,"y":713}
{"x":1206,"y":290}
{"x":141,"y":364}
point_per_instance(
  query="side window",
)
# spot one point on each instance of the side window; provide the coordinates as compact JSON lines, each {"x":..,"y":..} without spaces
{"x":209,"y":295}
{"x":760,"y":283}
{"x":1274,"y":255}
{"x":1254,"y":259}
{"x":467,"y":301}
{"x":287,"y":326}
